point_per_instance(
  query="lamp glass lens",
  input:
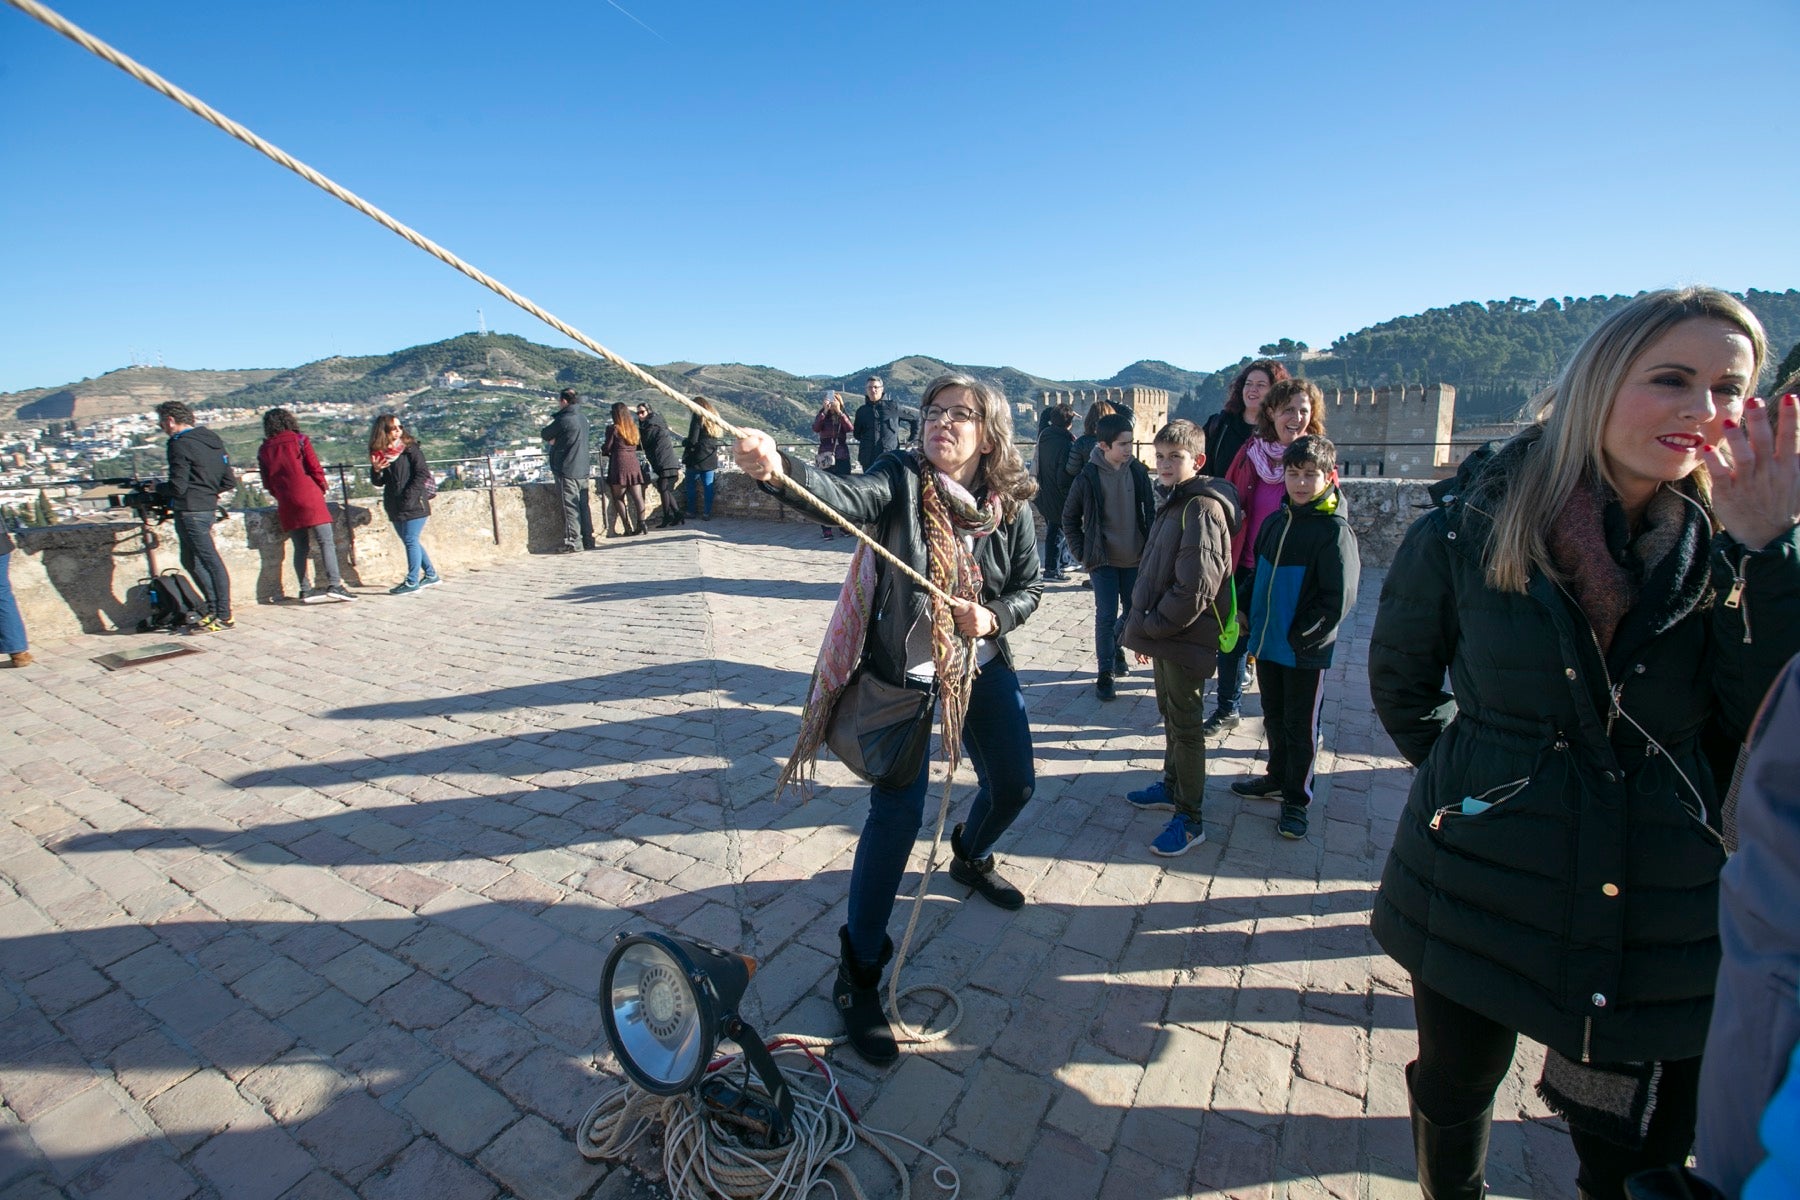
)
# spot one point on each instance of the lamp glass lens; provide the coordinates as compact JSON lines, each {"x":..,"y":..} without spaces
{"x":655,"y":1011}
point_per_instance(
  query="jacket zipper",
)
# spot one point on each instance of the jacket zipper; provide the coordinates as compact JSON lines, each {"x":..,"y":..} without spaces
{"x":1262,"y":635}
{"x":1613,"y":691}
{"x":1587,"y":1039}
{"x":1735,"y":597}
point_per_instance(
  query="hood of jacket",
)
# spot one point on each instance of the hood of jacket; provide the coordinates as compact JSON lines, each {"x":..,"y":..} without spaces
{"x":1212,"y":487}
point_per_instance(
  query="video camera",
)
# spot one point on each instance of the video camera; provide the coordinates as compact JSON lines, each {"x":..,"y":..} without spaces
{"x":139,"y":495}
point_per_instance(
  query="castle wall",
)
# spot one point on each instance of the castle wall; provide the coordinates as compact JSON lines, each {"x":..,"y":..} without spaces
{"x":1398,"y":432}
{"x":1149,"y":410}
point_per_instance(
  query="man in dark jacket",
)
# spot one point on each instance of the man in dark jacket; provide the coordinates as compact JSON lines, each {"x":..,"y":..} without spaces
{"x":877,"y":426}
{"x":567,"y":434}
{"x":199,"y":470}
{"x":658,"y":444}
{"x":1107,"y":518}
{"x":1054,"y":443}
{"x":1306,"y":575}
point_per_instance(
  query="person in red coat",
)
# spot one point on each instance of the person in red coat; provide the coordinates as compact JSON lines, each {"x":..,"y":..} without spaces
{"x":291,"y":473}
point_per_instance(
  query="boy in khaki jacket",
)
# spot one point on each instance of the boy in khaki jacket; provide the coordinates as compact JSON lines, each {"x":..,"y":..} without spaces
{"x":1183,"y":594}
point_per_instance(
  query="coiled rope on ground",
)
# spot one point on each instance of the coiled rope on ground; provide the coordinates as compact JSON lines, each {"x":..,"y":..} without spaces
{"x":696,"y":1154}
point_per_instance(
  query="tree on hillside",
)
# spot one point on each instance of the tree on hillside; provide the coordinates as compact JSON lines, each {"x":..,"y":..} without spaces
{"x":1286,"y":346}
{"x":44,"y":514}
{"x":1788,"y":366}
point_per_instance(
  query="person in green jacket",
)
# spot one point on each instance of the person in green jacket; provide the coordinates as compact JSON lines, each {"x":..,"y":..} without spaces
{"x":1611,"y":593}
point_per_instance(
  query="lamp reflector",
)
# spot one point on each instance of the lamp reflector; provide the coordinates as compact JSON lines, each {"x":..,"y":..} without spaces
{"x":661,"y":1027}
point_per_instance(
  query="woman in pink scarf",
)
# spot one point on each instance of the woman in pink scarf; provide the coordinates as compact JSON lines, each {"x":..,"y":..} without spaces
{"x":1290,"y":409}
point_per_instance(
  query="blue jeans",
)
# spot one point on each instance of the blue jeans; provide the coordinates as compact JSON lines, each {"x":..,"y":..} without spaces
{"x":1112,"y":601}
{"x":418,"y":563}
{"x":997,"y":736}
{"x":200,"y":559}
{"x":1234,"y":669}
{"x":1056,"y":550}
{"x":700,"y":477}
{"x":12,"y":625}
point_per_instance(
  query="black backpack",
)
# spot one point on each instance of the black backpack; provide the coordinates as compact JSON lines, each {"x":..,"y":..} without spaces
{"x":174,"y":602}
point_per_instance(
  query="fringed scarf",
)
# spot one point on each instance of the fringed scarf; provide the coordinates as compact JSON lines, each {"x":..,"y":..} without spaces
{"x":947,"y":514}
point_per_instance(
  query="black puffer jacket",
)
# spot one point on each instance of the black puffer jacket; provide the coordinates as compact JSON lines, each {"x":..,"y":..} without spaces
{"x":659,"y":445}
{"x":701,"y":452}
{"x":887,"y":497}
{"x":1581,"y":908}
{"x":403,"y":485}
{"x":1051,"y":469}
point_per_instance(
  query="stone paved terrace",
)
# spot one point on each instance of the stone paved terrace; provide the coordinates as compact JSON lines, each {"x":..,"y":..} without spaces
{"x":322,"y":912}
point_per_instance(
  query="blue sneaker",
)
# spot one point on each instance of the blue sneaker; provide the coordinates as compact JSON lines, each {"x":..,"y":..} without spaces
{"x":1154,"y":798}
{"x":404,"y":589}
{"x":431,"y":580}
{"x":1177,"y":838}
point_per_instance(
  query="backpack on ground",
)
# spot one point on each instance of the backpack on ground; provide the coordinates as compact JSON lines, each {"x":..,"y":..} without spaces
{"x":174,"y":602}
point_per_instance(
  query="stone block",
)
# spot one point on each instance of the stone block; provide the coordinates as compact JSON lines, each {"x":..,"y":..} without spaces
{"x":458,"y":1109}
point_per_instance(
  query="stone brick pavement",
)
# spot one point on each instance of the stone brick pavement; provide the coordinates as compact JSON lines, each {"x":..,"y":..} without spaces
{"x":321,"y":913}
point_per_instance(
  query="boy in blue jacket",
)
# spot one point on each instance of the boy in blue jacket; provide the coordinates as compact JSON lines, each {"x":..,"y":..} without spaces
{"x":1305,"y":583}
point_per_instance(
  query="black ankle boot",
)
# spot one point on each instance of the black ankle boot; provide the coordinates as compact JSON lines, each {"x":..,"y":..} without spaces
{"x":978,"y":873}
{"x":857,"y":994}
{"x":1452,"y":1158}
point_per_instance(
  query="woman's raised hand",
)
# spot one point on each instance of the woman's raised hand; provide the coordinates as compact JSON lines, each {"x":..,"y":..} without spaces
{"x":1755,"y":472}
{"x":757,"y":456}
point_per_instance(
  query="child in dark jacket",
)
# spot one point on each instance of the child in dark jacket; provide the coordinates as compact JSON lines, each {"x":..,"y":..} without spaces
{"x":1175,"y":623}
{"x":1106,"y":519}
{"x":1305,"y":584}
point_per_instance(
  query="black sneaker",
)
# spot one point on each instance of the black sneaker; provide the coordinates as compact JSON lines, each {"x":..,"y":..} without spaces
{"x":1120,"y":666}
{"x":1219,"y":722}
{"x":978,"y":873}
{"x":1260,"y":787}
{"x":1103,"y":687}
{"x":1292,"y":824}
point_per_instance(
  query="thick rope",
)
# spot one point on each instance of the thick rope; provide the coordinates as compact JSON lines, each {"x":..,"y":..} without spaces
{"x":704,"y":1157}
{"x":212,"y":116}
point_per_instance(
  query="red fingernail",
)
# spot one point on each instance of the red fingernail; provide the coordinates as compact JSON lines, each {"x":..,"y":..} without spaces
{"x":1730,"y":424}
{"x":1755,"y":402}
{"x":1790,"y":399}
{"x":1709,"y":448}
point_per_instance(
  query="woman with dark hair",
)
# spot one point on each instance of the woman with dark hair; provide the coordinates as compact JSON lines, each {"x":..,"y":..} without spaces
{"x":398,"y":468}
{"x":1292,"y":409}
{"x":1053,"y":448}
{"x":1228,"y":429}
{"x":624,"y":476}
{"x":1082,"y":448}
{"x":958,"y":511}
{"x":705,"y":442}
{"x":292,"y":475}
{"x":665,"y":464}
{"x":833,"y":427}
{"x":1588,"y":587}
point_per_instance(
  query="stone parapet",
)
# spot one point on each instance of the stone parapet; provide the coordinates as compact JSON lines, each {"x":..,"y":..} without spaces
{"x":88,"y":578}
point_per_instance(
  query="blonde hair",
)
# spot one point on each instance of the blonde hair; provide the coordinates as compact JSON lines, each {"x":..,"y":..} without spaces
{"x":1569,"y":418}
{"x":1002,"y":471}
{"x":710,"y":424}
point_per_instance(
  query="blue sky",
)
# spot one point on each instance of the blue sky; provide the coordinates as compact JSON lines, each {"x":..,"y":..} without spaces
{"x":820,"y":185}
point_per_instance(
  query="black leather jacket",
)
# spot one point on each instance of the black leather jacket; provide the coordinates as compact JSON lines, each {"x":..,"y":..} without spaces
{"x":887,"y":496}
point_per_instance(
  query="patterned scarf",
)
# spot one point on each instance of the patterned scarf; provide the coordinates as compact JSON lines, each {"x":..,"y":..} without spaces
{"x":946,"y":511}
{"x":1265,"y":457}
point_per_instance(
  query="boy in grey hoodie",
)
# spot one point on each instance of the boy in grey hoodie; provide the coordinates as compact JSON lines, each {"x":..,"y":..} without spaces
{"x":1106,"y":520}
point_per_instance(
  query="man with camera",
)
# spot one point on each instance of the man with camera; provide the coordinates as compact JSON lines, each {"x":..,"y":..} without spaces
{"x":878,"y":423}
{"x":199,"y":470}
{"x":567,"y":434}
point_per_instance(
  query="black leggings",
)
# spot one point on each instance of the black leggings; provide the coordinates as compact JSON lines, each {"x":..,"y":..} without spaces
{"x":1463,"y":1056}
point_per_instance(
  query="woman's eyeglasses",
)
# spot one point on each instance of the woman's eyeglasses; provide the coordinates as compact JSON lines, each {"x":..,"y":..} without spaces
{"x":949,"y":416}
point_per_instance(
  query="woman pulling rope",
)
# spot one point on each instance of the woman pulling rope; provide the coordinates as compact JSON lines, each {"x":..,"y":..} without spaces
{"x":959,"y":513}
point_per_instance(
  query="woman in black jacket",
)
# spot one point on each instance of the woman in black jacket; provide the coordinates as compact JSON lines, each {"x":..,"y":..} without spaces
{"x":1054,"y":446}
{"x":1228,"y":429}
{"x":1610,"y":614}
{"x":665,"y":463}
{"x":705,"y":438}
{"x":398,"y":466}
{"x":958,"y":511}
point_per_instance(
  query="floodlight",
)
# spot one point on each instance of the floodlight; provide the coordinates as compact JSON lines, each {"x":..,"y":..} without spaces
{"x":665,"y":1003}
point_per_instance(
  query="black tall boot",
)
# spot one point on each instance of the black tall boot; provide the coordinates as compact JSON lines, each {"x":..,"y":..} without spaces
{"x":857,"y":994}
{"x":978,"y":873}
{"x":1452,"y":1158}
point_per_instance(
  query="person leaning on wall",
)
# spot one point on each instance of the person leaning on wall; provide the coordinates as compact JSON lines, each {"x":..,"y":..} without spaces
{"x":1611,"y":593}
